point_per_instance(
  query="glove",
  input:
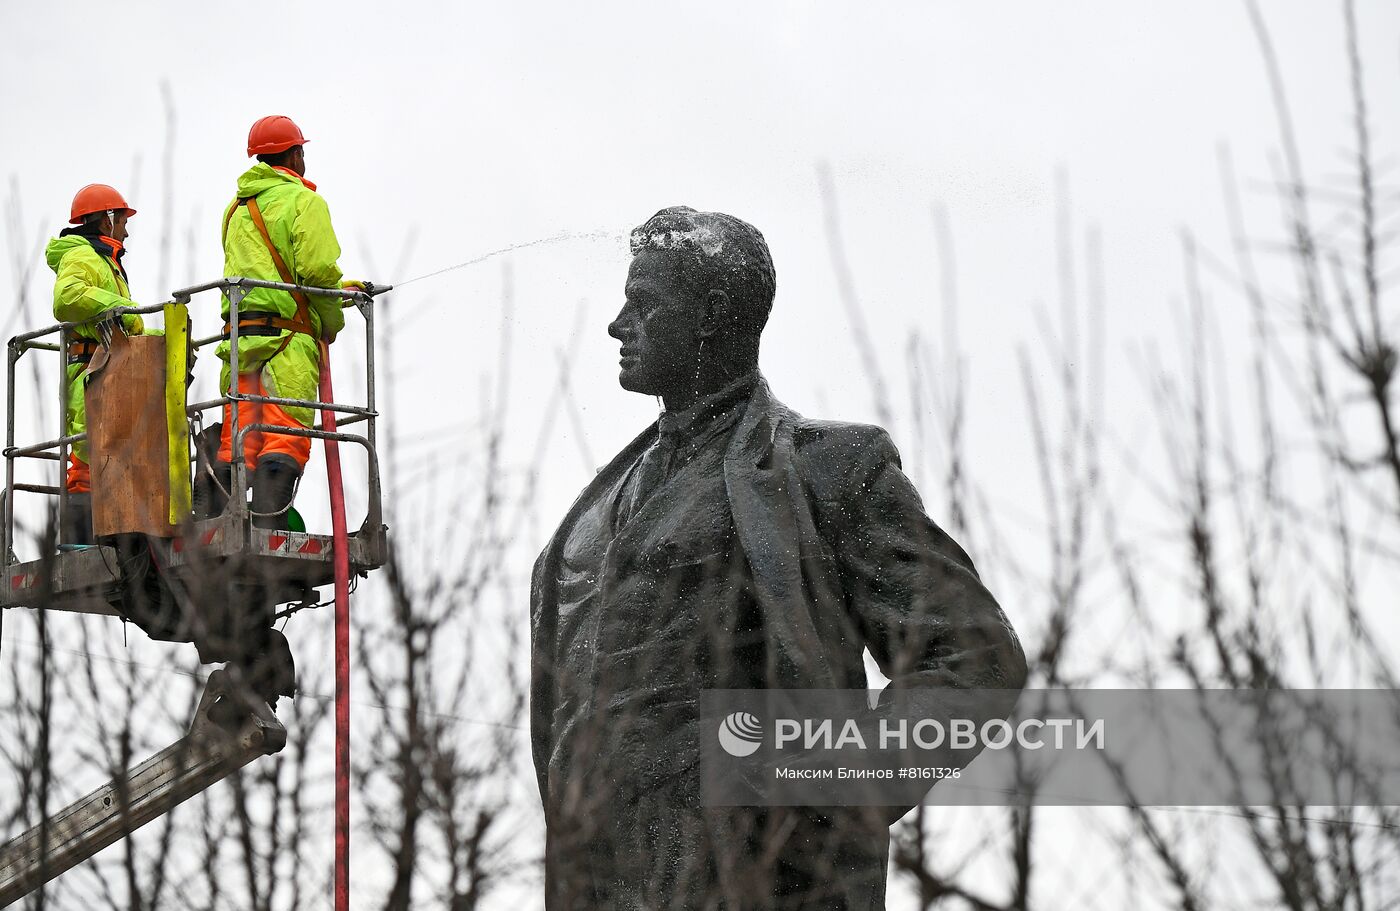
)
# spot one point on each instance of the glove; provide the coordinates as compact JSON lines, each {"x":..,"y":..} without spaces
{"x":357,"y":285}
{"x":132,"y":323}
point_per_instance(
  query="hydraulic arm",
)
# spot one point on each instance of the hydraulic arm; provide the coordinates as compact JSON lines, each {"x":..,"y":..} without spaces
{"x":206,"y":755}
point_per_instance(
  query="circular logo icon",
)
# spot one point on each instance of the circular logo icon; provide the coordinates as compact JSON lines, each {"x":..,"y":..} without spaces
{"x":740,"y":734}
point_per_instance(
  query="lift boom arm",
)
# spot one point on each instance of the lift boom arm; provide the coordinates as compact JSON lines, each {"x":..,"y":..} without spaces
{"x":206,"y":755}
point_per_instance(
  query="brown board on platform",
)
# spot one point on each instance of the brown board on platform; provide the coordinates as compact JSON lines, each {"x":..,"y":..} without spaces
{"x":127,"y":438}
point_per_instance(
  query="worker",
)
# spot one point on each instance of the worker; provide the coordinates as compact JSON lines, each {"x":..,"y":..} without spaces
{"x":278,"y":228}
{"x":90,"y":280}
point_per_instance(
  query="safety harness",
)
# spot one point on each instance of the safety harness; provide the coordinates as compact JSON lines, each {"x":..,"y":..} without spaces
{"x":262,"y":323}
{"x":81,"y":350}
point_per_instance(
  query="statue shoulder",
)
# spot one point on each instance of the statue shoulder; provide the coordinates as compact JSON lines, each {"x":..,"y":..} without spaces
{"x":832,"y":455}
{"x":838,"y":439}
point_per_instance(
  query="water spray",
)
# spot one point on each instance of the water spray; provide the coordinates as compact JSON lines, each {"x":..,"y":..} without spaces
{"x":600,"y":234}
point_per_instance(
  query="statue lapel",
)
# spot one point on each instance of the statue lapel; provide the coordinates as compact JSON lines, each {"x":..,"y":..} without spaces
{"x":767,"y":502}
{"x":601,"y":483}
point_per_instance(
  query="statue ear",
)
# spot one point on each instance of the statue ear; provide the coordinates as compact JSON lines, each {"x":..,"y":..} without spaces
{"x":716,"y":312}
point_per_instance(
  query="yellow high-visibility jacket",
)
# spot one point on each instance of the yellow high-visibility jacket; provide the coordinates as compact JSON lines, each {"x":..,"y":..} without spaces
{"x":299,"y":224}
{"x":89,"y":281}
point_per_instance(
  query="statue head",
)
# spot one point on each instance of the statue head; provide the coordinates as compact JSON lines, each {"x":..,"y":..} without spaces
{"x":698,"y":295}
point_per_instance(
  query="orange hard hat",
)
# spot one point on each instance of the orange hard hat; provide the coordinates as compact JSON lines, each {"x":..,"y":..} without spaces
{"x":97,"y":197}
{"x":272,"y":134}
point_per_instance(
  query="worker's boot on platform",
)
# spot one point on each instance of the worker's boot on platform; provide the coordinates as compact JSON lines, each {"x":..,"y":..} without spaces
{"x":274,"y":485}
{"x":75,"y":523}
{"x":211,"y":494}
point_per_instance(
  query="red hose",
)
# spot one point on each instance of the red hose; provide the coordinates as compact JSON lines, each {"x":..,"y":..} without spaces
{"x":342,"y":644}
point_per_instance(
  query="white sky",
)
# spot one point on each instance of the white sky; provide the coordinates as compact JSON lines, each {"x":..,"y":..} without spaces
{"x":480,"y":126}
{"x":483,"y":125}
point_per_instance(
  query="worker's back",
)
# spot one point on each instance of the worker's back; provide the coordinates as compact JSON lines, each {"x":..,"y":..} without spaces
{"x":277,"y":228}
{"x":298,"y":224}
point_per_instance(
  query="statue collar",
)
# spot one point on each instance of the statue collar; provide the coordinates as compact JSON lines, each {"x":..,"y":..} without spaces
{"x":707,"y":411}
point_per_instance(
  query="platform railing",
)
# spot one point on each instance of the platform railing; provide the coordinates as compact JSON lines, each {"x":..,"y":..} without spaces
{"x":235,"y":289}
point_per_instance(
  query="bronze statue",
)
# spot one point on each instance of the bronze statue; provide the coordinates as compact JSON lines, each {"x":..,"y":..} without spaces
{"x":734,"y":544}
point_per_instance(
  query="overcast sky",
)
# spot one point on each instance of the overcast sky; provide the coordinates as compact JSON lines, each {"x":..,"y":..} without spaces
{"x":473,"y":127}
{"x":479,"y":126}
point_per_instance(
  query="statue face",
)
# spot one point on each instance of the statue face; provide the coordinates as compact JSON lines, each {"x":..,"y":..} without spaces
{"x":657,"y":327}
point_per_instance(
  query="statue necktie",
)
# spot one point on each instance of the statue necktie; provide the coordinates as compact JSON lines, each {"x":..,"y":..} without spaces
{"x":651,"y":473}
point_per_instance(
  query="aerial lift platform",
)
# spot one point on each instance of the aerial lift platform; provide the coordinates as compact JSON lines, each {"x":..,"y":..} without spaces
{"x":208,"y":566}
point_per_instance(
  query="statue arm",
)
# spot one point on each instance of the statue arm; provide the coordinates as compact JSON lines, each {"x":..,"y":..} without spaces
{"x":541,"y":678}
{"x":912,"y":591}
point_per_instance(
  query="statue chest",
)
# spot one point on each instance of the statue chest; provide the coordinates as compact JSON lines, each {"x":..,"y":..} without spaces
{"x":646,"y":600}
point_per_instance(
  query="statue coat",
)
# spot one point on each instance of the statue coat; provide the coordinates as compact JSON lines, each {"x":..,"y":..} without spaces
{"x":837,"y":556}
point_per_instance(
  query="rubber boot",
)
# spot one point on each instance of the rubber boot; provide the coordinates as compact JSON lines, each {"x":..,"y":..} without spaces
{"x":76,"y":521}
{"x":274,"y":485}
{"x":210,"y":495}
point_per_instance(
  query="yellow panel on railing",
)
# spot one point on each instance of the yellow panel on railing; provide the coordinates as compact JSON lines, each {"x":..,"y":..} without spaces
{"x":177,"y":342}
